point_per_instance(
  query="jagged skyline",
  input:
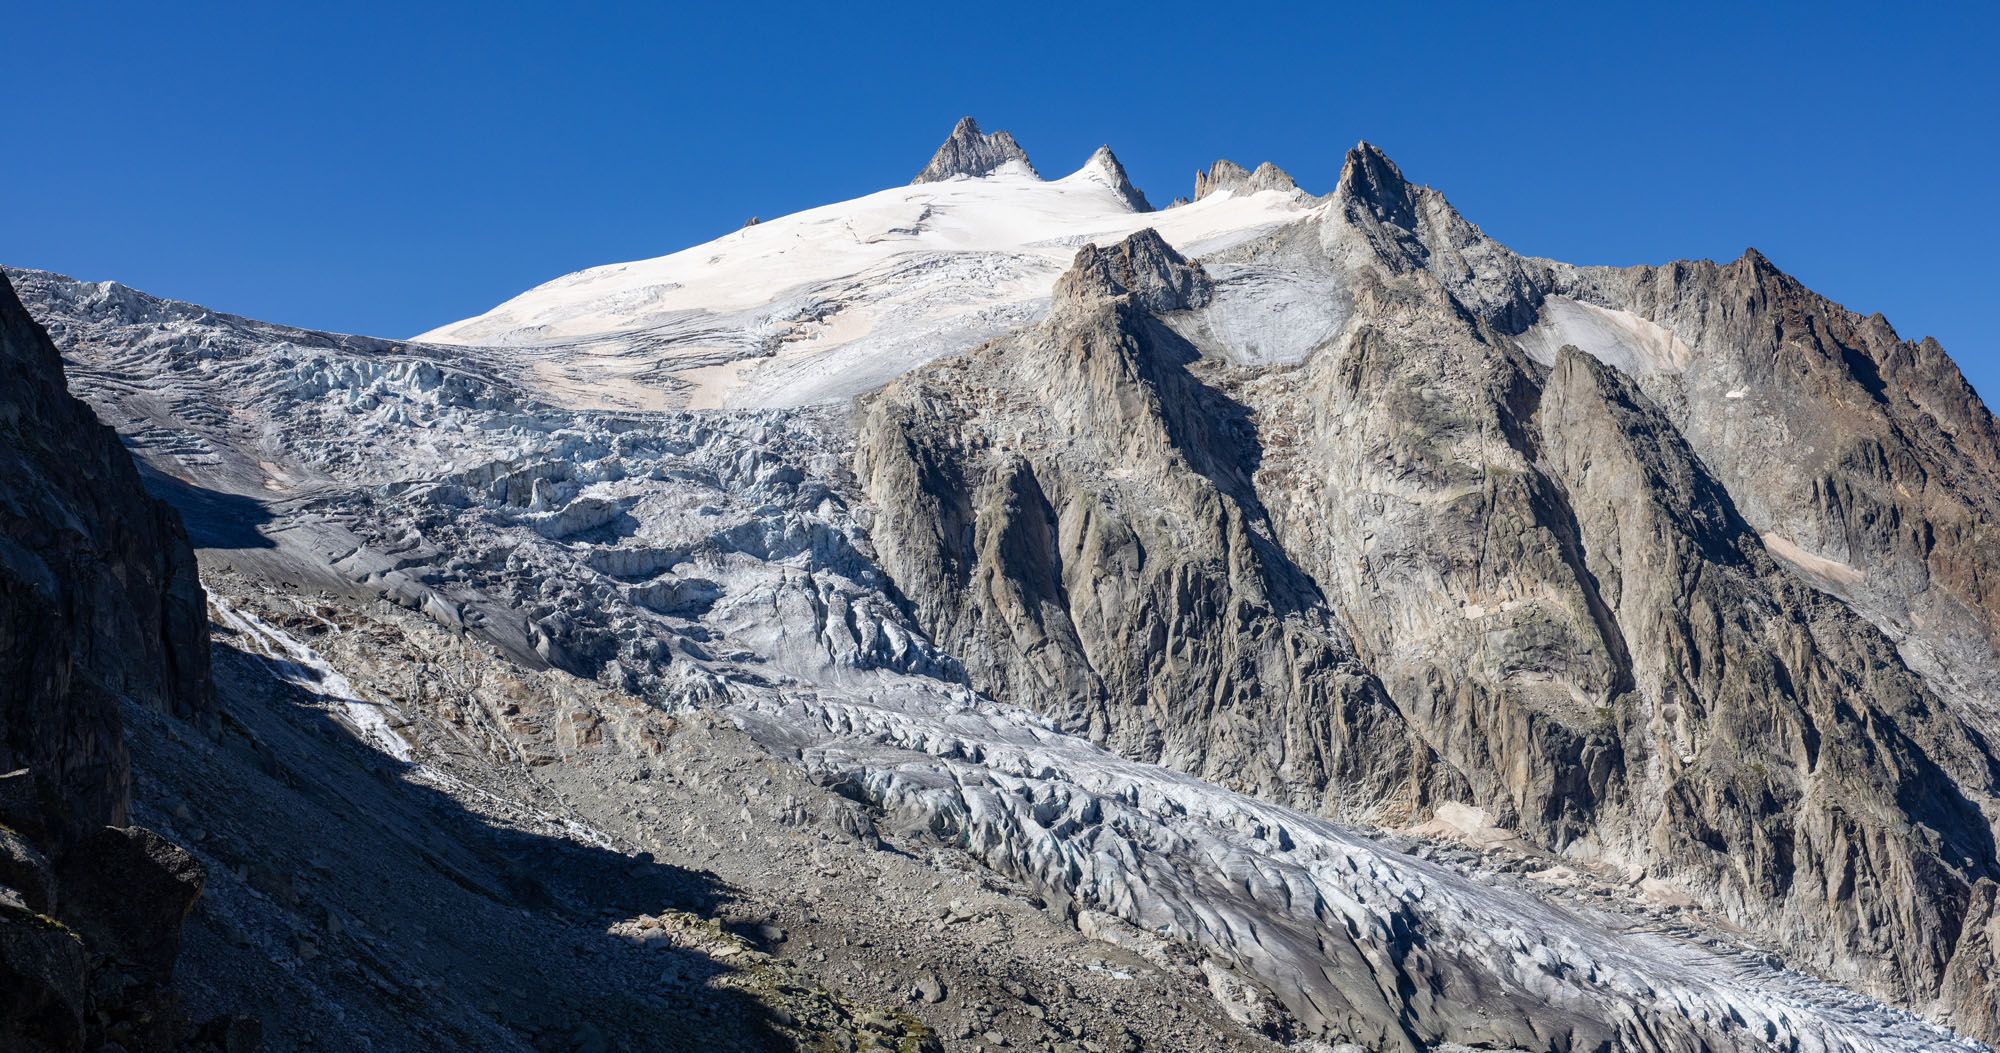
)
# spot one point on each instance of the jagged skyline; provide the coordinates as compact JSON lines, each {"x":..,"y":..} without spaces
{"x":437,"y":184}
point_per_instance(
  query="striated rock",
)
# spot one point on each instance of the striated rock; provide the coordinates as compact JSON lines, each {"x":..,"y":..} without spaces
{"x":969,"y":152}
{"x":997,"y":523}
{"x":1867,"y":459}
{"x":1223,"y":174}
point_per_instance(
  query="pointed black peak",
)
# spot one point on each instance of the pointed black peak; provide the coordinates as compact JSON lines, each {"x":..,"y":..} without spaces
{"x":1107,"y":164}
{"x":1757,"y":261}
{"x":1228,"y":175}
{"x":1369,"y":172}
{"x":1143,"y":267}
{"x":1368,"y":177}
{"x":968,"y":152}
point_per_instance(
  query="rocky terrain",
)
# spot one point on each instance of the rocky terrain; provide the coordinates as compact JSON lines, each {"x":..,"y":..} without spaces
{"x":1276,"y":621}
{"x":1561,"y":618}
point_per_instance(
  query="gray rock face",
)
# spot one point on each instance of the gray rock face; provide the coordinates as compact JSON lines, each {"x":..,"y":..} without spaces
{"x":1143,"y":270}
{"x":1461,"y":565}
{"x":969,"y":152}
{"x":1043,"y":580}
{"x":1228,"y":175}
{"x":1867,"y":460}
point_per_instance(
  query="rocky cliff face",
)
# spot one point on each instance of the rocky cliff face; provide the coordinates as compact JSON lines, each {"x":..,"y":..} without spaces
{"x":101,"y":600}
{"x":1497,"y":544}
{"x":1116,"y":564}
{"x":99,"y":609}
{"x":1865,"y":460}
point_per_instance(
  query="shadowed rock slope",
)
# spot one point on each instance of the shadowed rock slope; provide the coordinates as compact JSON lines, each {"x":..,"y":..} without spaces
{"x":1508,"y":541}
{"x":99,"y":608}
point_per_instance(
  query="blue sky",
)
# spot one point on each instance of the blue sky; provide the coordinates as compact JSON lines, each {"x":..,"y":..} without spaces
{"x":384,"y":168}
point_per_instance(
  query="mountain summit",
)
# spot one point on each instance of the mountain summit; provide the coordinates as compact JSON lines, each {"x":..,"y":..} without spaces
{"x":968,"y":152}
{"x":1106,"y":163}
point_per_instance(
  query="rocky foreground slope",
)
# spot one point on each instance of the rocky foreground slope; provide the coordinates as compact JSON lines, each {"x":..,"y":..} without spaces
{"x":1307,"y":602}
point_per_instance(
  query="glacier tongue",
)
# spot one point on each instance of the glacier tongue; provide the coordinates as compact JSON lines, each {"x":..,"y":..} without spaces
{"x":1378,"y":938}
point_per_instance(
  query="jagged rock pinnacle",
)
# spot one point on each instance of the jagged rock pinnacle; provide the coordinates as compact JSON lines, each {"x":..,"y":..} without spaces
{"x":967,"y":152}
{"x":1368,"y":176}
{"x":1114,"y":173}
{"x":1221,"y":175}
{"x":1228,"y":175}
{"x":1757,"y":261}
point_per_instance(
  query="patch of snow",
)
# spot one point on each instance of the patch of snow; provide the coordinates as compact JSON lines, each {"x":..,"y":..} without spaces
{"x":302,"y":667}
{"x":1619,"y":339}
{"x":1269,"y":316}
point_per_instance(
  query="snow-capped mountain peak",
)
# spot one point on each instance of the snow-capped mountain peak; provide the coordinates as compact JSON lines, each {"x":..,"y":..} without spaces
{"x":838,"y":299}
{"x":969,"y":152}
{"x":1103,"y":166}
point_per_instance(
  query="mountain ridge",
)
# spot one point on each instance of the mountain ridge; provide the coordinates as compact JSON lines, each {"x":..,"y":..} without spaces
{"x":1559,"y":610}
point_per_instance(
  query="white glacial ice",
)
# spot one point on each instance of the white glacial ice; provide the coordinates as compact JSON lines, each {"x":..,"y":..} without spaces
{"x":891,"y":280}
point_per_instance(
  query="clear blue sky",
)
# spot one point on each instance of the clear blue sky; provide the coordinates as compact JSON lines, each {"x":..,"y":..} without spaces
{"x":381,"y":169}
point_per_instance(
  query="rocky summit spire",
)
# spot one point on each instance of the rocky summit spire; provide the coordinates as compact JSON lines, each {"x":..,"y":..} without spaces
{"x":1221,"y":175}
{"x":1369,"y":177}
{"x":1228,"y":175}
{"x":1107,"y":165}
{"x":967,"y":152}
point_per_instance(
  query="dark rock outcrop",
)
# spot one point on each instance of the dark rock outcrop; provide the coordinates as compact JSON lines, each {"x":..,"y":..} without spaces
{"x":99,"y":600}
{"x":100,"y":608}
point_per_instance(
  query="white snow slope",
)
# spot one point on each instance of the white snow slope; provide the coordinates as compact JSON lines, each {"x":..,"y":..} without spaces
{"x":890,"y":281}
